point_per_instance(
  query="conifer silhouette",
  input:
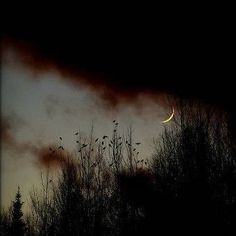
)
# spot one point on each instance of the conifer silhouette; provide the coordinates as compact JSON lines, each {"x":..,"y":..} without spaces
{"x":17,"y":224}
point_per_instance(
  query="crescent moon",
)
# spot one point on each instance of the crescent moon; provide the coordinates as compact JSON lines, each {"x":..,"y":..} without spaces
{"x":171,"y":116}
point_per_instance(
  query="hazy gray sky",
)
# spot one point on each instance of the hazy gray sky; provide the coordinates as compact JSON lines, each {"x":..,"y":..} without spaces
{"x":40,"y":107}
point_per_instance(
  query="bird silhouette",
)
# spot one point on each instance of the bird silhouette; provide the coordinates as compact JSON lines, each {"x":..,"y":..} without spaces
{"x":60,"y":138}
{"x":138,"y":143}
{"x":60,"y":147}
{"x":96,"y":140}
{"x":105,"y":136}
{"x":104,"y":148}
{"x":102,"y":142}
{"x":77,"y":141}
{"x":114,"y":130}
{"x":76,"y":133}
{"x":134,"y":149}
{"x":114,"y":121}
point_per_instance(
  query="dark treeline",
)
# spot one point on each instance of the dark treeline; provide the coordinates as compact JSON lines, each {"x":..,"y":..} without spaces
{"x":187,"y":187}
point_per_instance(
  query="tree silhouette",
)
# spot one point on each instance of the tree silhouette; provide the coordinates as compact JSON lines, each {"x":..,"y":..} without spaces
{"x":191,"y":165}
{"x":5,"y":222}
{"x":17,"y":227}
{"x":188,"y":186}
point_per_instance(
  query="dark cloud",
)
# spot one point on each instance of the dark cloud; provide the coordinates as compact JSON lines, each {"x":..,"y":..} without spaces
{"x":121,"y":66}
{"x":6,"y":135}
{"x":46,"y":155}
{"x":185,"y":56}
{"x":188,"y":60}
{"x":48,"y":158}
{"x":9,"y":125}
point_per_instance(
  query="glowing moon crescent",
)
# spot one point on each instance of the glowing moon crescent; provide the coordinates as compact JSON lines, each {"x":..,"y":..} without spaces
{"x":171,"y":116}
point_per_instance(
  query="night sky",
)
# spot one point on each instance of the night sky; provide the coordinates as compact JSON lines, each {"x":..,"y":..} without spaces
{"x":65,"y":74}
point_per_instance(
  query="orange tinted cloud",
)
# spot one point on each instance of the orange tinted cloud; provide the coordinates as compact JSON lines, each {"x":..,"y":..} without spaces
{"x":46,"y":156}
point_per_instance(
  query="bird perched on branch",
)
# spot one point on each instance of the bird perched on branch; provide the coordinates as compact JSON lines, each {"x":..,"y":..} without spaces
{"x":84,"y":145}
